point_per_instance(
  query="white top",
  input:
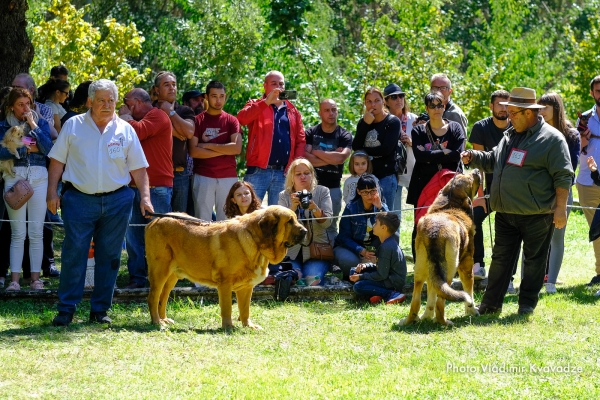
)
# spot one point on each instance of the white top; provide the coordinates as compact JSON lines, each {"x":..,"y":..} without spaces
{"x":593,"y":149}
{"x":404,"y":180}
{"x":56,"y":108}
{"x":98,"y":162}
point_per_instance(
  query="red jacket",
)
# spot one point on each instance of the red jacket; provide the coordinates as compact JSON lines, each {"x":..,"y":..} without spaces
{"x":259,"y":116}
{"x":431,"y":190}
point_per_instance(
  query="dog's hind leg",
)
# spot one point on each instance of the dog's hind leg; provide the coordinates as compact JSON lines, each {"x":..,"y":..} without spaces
{"x":225,"y":304}
{"x":244,"y":296}
{"x":415,"y":305}
{"x":440,"y":316}
{"x":431,"y":300}
{"x":158,"y":273}
{"x":164,"y":298}
{"x":465,"y":273}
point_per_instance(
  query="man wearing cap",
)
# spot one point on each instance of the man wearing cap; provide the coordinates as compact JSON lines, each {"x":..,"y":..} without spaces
{"x":182,"y":122}
{"x":275,"y":138}
{"x":395,"y":101}
{"x":532,"y":175}
{"x":589,"y":193}
{"x":194,"y":99}
{"x":327,"y":148}
{"x":441,"y":83}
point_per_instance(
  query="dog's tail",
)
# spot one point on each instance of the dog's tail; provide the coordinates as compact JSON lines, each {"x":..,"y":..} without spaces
{"x":438,"y":271}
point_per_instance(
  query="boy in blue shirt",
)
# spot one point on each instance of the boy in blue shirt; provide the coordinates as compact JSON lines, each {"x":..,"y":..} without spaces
{"x":385,"y":280}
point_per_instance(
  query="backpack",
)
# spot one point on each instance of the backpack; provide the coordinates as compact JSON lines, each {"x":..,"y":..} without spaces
{"x":400,"y":159}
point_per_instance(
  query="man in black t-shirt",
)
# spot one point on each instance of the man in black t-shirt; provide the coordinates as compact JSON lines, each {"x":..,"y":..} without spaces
{"x":327,"y":148}
{"x":485,"y":135}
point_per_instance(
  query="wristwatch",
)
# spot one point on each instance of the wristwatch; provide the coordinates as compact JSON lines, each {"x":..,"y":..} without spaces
{"x":171,"y":113}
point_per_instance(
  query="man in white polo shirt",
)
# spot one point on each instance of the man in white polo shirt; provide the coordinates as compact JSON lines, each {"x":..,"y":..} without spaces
{"x":98,"y":151}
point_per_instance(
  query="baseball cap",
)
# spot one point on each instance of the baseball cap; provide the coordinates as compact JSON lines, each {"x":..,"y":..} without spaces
{"x":190,"y":94}
{"x":391,"y":89}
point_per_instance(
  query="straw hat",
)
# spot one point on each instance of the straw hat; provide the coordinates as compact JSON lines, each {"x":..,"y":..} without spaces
{"x":522,"y":97}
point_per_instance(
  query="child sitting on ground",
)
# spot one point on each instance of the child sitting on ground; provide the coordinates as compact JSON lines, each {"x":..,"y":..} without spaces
{"x":384,"y":281}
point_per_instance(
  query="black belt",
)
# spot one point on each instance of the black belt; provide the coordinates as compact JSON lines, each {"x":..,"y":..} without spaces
{"x":275,"y":167}
{"x":69,"y":185}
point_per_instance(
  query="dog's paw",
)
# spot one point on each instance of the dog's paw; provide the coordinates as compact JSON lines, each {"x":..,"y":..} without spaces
{"x":428,"y":314}
{"x":471,"y":311}
{"x":167,"y":321}
{"x":447,"y":323}
{"x":252,"y":325}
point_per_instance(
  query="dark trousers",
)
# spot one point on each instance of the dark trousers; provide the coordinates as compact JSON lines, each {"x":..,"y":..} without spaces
{"x":535,"y":233}
{"x":479,"y":215}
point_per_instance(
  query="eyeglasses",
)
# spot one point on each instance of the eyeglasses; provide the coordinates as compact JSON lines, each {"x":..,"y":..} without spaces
{"x":368,"y":192}
{"x":434,"y":106}
{"x":395,"y":96}
{"x":514,"y":114}
{"x":439,"y":88}
{"x":67,"y":93}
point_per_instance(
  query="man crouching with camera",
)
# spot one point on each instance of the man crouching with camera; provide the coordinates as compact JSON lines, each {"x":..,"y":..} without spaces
{"x":312,"y":205}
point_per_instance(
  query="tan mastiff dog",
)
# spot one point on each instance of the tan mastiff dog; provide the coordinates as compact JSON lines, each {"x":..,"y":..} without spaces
{"x":231,"y":255}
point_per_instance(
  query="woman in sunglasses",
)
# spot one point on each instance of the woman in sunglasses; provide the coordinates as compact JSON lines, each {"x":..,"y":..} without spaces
{"x":356,"y":243}
{"x":396,"y":103}
{"x":436,"y":145}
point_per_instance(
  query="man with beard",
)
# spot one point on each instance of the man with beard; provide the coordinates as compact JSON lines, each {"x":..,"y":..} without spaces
{"x":589,"y":194}
{"x":182,"y":121}
{"x":216,"y":141}
{"x":194,"y":99}
{"x":486,"y":135}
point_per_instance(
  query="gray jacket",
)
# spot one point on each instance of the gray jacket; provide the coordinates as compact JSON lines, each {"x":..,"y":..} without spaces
{"x":322,"y":199}
{"x":454,"y":113}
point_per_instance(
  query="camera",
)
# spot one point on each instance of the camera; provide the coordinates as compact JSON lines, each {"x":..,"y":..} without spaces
{"x":304,"y":196}
{"x":288,"y":95}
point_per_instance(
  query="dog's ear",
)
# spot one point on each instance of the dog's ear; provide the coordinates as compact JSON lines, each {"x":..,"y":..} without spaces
{"x":268,"y":225}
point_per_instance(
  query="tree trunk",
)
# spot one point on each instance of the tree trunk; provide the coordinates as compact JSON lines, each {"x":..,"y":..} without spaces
{"x":16,"y":50}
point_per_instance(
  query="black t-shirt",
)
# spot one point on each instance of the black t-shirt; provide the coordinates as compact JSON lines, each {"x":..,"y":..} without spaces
{"x":180,"y":151}
{"x":488,"y":135}
{"x":329,"y":175}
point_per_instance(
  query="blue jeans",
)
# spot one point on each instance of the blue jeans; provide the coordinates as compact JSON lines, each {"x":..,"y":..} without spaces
{"x":557,"y":246}
{"x":345,"y":259}
{"x":368,"y":289}
{"x":134,"y":238}
{"x":388,"y":186}
{"x":181,"y":188}
{"x":397,"y":206}
{"x":105,"y":219}
{"x":535,"y":232}
{"x":312,"y":268}
{"x":336,"y":203}
{"x":266,"y":180}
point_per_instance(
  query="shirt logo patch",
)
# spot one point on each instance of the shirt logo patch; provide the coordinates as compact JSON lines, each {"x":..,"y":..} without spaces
{"x":371,"y":139}
{"x":210,"y":134}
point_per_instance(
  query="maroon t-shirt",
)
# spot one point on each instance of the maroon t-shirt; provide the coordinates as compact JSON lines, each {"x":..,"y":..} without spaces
{"x":216,"y":129}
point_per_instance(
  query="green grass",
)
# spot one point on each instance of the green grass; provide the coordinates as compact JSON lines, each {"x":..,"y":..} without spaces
{"x":323,"y":350}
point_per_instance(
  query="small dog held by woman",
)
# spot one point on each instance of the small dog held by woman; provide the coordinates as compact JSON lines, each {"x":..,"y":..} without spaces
{"x":12,"y":141}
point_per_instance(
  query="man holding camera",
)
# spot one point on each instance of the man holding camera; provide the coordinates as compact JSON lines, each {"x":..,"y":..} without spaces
{"x":328,"y":146}
{"x":216,"y":142}
{"x":275,"y":138}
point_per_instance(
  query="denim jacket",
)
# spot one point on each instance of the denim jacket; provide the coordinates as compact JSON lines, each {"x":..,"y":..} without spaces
{"x":44,"y":143}
{"x":353,"y":229}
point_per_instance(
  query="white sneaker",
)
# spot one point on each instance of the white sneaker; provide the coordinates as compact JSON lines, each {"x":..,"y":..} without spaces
{"x":478,"y":272}
{"x":597,"y":294}
{"x":511,"y":288}
{"x":550,"y":288}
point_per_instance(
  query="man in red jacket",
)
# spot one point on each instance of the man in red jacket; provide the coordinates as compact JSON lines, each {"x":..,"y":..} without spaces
{"x":275,"y":138}
{"x":154,"y":131}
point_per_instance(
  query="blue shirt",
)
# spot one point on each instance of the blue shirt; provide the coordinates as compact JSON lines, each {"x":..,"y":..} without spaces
{"x":280,"y":148}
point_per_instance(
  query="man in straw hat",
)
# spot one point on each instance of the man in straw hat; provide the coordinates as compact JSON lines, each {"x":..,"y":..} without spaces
{"x":532,"y":175}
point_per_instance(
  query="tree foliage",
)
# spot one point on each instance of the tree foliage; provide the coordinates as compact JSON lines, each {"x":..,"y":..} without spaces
{"x":67,"y":38}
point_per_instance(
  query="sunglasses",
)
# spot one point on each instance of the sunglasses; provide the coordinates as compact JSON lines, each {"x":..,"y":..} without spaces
{"x":434,"y":106}
{"x":395,"y":96}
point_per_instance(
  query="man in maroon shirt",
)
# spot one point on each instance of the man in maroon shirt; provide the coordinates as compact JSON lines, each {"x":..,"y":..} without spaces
{"x":154,"y":130}
{"x":216,"y":142}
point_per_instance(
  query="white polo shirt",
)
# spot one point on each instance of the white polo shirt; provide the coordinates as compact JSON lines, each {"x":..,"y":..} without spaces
{"x":98,"y":162}
{"x":593,"y":149}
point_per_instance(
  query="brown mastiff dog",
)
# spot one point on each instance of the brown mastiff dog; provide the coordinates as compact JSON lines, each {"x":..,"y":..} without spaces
{"x":444,"y":244}
{"x":231,"y":255}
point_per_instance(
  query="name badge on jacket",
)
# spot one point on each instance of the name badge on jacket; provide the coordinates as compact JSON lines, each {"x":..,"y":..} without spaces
{"x":517,"y":157}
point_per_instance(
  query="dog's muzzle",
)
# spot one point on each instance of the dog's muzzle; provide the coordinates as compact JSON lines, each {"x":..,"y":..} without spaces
{"x":297,"y":239}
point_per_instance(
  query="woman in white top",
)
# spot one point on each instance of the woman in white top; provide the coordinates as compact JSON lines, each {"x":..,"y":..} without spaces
{"x":395,"y":101}
{"x":55,"y":92}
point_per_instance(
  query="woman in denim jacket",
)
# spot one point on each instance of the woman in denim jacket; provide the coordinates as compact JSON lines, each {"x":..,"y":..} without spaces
{"x":356,"y":243}
{"x":30,"y":165}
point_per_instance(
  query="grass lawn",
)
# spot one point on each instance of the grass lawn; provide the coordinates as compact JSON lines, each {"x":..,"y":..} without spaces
{"x":323,"y":350}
